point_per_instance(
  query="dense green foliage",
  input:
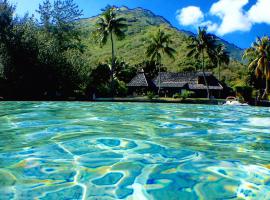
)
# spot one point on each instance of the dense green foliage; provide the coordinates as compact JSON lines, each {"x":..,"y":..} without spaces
{"x":57,"y":55}
{"x":142,"y":24}
{"x":159,"y":46}
{"x":204,"y":44}
{"x":221,"y":57}
{"x":42,"y":60}
{"x":259,"y":61}
{"x":110,"y":26}
{"x":100,"y":78}
{"x":186,"y":94}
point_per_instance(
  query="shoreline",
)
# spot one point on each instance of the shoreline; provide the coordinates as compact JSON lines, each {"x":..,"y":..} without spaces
{"x":162,"y":100}
{"x":143,"y":100}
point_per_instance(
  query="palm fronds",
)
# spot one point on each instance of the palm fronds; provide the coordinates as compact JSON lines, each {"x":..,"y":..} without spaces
{"x":258,"y":56}
{"x":107,"y":24}
{"x":159,"y":45}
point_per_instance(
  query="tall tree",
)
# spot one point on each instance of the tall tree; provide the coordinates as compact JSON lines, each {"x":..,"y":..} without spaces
{"x":222,"y":57}
{"x":60,"y":20}
{"x":203,"y":44}
{"x":108,"y":26}
{"x":6,"y":27}
{"x":158,"y":46}
{"x":45,"y":12}
{"x":258,"y":56}
{"x":6,"y":19}
{"x":60,"y":47}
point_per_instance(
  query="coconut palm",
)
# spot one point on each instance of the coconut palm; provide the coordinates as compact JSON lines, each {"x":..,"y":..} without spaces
{"x":158,"y":46}
{"x":258,"y":56}
{"x":222,"y":57}
{"x":203,"y":44}
{"x":108,"y":26}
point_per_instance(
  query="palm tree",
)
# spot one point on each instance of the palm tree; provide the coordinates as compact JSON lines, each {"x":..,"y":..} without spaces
{"x":222,"y":57}
{"x":159,"y":45}
{"x":108,"y":26}
{"x":259,"y":60}
{"x":203,"y":44}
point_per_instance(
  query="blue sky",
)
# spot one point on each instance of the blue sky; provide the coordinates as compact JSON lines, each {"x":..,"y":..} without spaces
{"x":237,"y":21}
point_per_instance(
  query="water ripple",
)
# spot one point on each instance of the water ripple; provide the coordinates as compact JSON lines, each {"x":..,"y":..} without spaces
{"x":74,"y":150}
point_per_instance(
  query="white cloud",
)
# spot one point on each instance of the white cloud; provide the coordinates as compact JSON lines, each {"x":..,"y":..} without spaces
{"x":211,"y":26}
{"x":232,"y":15}
{"x":190,"y":15}
{"x":260,"y":12}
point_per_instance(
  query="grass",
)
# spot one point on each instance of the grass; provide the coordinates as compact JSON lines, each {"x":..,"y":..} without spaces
{"x":163,"y":100}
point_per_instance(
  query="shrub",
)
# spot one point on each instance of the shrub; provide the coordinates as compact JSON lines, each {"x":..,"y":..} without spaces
{"x":177,"y":96}
{"x":183,"y":95}
{"x":187,"y":94}
{"x":121,"y":89}
{"x":150,"y":95}
{"x":103,"y":90}
{"x":244,"y":91}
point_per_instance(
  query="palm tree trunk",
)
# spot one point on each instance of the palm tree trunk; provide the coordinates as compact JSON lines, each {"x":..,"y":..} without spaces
{"x":218,"y":71}
{"x":204,"y":77}
{"x":112,"y":69}
{"x":266,"y":91}
{"x":219,"y":94}
{"x":159,"y":79}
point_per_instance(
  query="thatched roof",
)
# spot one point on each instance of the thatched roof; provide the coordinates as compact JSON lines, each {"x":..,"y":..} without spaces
{"x":189,"y":80}
{"x":138,"y":81}
{"x":203,"y":87}
{"x":173,"y":80}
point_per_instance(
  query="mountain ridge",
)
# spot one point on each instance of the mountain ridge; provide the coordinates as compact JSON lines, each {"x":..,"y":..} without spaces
{"x":181,"y":30}
{"x":228,"y":44}
{"x":142,"y":24}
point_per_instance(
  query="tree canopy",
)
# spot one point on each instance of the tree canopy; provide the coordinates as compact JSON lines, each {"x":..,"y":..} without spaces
{"x":57,"y":56}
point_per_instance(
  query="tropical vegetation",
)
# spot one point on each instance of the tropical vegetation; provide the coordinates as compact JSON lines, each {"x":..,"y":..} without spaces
{"x":59,"y":55}
{"x":203,"y":44}
{"x":109,"y":26}
{"x":258,"y":57}
{"x":158,"y":46}
{"x":222,"y":57}
{"x":44,"y":59}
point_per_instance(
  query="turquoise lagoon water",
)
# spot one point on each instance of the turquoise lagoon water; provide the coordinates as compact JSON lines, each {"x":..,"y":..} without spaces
{"x":107,"y":151}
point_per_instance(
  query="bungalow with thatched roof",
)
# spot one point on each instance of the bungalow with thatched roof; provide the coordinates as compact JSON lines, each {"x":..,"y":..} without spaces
{"x":141,"y":83}
{"x":172,"y":83}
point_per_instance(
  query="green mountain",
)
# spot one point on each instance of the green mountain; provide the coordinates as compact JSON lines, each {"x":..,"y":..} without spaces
{"x":141,"y":24}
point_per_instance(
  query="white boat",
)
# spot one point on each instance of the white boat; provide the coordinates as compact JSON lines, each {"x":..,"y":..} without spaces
{"x":233,"y":101}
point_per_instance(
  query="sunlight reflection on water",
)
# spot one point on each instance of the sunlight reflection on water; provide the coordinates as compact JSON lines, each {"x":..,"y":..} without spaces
{"x":54,"y":150}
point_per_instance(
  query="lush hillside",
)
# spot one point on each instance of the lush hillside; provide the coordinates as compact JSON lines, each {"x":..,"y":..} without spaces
{"x":141,"y":24}
{"x":59,"y":58}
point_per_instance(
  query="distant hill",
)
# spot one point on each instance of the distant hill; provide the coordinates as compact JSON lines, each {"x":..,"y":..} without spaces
{"x":141,"y":24}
